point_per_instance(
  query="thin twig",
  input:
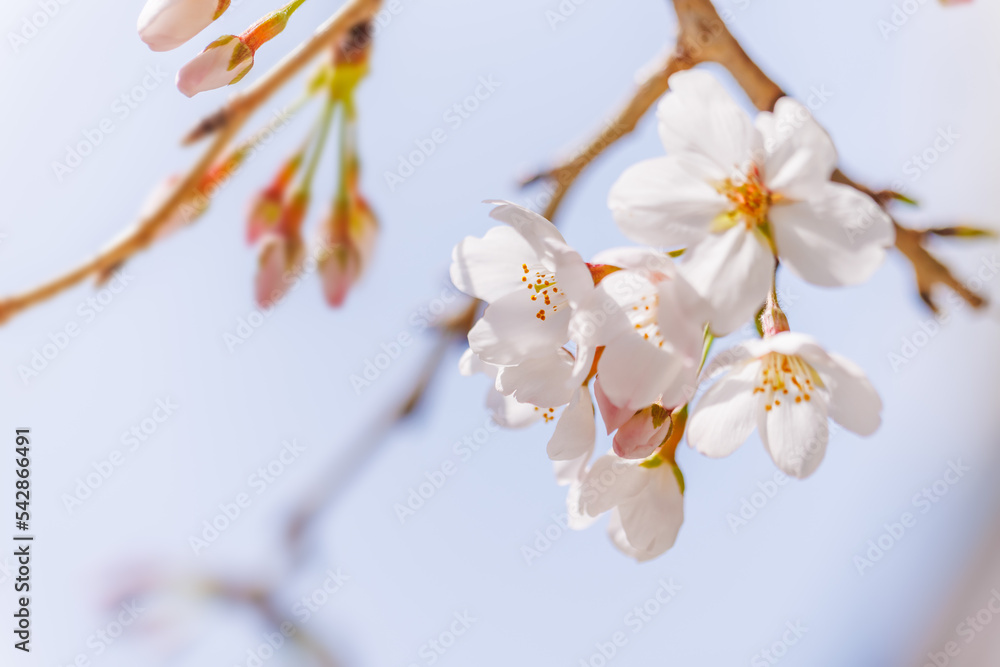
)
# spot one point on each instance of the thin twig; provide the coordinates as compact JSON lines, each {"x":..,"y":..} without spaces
{"x":234,"y":115}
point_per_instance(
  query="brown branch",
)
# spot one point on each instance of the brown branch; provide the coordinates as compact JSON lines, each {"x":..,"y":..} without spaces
{"x":226,"y":123}
{"x":703,"y":37}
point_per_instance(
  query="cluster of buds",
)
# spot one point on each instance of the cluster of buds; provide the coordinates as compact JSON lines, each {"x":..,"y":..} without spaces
{"x":167,"y":24}
{"x":347,"y":237}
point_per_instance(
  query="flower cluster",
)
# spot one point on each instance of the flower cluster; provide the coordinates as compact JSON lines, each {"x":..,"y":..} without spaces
{"x":347,"y":237}
{"x":732,"y":199}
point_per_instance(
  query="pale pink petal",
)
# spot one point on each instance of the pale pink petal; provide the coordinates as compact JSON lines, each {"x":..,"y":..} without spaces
{"x":533,"y":227}
{"x":611,"y":481}
{"x":612,"y":415}
{"x":574,"y":434}
{"x":225,"y":61}
{"x":639,"y":436}
{"x":166,"y":24}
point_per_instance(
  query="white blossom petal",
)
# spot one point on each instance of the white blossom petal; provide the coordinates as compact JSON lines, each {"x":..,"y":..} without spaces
{"x":854,"y":403}
{"x":837,"y":239}
{"x":796,"y":434}
{"x":575,"y":432}
{"x":509,"y":332}
{"x":698,"y":116}
{"x":727,"y":414}
{"x":800,"y":154}
{"x":609,"y":482}
{"x":668,"y":201}
{"x":489,"y":268}
{"x":543,"y":381}
{"x":732,"y":271}
{"x":652,"y":520}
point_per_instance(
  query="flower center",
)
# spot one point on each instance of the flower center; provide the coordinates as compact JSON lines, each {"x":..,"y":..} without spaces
{"x":543,"y":289}
{"x":750,"y":200}
{"x":644,"y":321}
{"x":786,"y":380}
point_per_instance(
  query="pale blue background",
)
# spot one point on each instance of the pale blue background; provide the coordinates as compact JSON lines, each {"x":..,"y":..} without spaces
{"x":163,"y":337}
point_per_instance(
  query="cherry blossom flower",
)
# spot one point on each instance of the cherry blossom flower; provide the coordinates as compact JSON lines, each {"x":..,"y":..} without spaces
{"x":166,"y":24}
{"x":786,"y":386}
{"x":530,"y":279}
{"x":650,"y":323}
{"x":737,"y":194}
{"x":645,"y":499}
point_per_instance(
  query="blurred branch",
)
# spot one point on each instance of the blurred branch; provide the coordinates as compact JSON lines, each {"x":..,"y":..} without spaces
{"x":225,"y":126}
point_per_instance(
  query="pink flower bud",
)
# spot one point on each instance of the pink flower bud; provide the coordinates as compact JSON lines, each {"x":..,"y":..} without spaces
{"x":166,"y":24}
{"x":612,"y":415}
{"x":223,"y":62}
{"x":349,"y":237}
{"x":642,"y":433}
{"x":279,"y":264}
{"x":268,"y":206}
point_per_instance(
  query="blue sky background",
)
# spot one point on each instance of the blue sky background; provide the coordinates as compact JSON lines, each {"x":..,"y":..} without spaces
{"x":163,"y":337}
